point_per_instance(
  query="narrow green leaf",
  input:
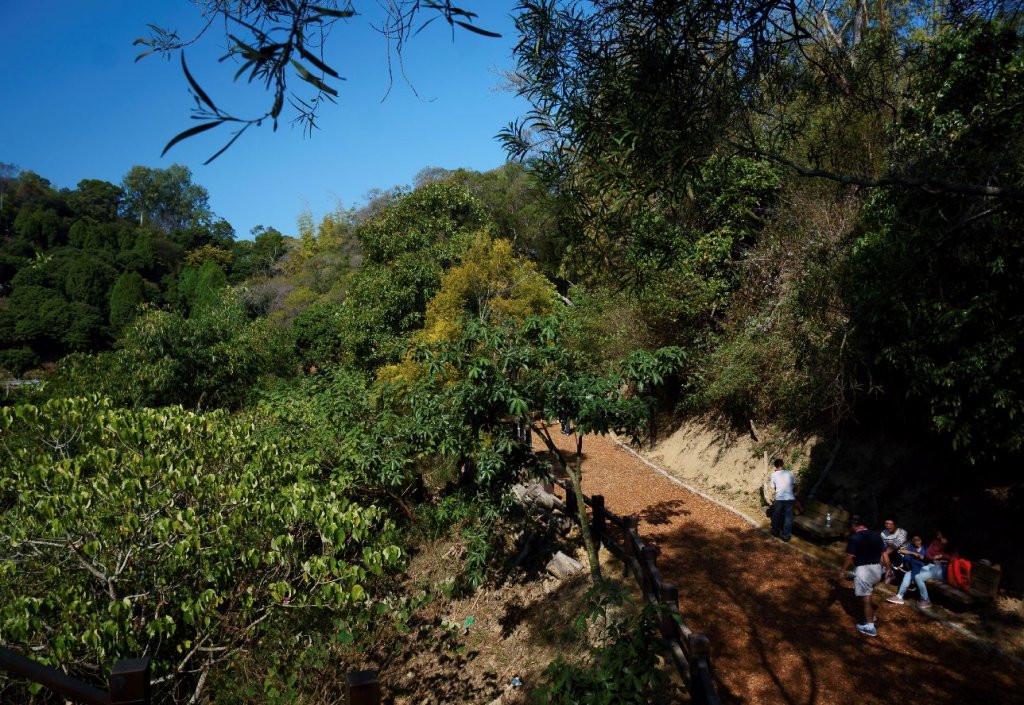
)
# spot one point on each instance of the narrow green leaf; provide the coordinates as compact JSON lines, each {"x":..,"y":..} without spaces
{"x":317,"y":62}
{"x":306,"y":76}
{"x":476,"y":30}
{"x":329,"y":12}
{"x":195,"y":86}
{"x":225,"y":147}
{"x":458,"y":12}
{"x":189,"y":133}
{"x":244,"y":68}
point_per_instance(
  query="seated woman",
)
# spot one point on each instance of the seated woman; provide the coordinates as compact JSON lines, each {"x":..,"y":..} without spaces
{"x":925,"y":565}
{"x":894,"y":539}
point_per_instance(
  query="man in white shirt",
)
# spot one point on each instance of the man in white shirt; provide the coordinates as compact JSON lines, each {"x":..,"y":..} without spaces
{"x":784,"y":483}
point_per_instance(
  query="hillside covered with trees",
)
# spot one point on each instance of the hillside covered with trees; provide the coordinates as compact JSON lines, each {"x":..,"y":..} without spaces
{"x":77,"y":265}
{"x":797,"y":217}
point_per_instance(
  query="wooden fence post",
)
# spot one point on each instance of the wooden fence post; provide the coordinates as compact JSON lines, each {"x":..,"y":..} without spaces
{"x":129,"y":682}
{"x":362,"y":688}
{"x":648,"y":560}
{"x":701,"y":686}
{"x":669,"y":606}
{"x":629,"y":524}
{"x":598,"y":522}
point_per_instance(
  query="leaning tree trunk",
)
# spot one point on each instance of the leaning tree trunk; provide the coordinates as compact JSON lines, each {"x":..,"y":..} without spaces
{"x":576,"y":477}
{"x":574,"y":472}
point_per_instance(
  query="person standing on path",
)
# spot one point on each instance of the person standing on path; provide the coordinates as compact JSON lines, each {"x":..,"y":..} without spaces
{"x":784,"y":483}
{"x":865,"y":551}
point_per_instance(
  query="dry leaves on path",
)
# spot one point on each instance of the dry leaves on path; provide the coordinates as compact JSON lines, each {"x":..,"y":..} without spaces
{"x":781,"y":630}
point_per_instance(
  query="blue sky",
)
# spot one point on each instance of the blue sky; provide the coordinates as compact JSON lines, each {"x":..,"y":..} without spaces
{"x":76,"y":105}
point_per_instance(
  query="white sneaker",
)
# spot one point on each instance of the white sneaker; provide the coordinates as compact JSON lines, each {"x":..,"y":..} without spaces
{"x":895,"y":599}
{"x":868,"y":629}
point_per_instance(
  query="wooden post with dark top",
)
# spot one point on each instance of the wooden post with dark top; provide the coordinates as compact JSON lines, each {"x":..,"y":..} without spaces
{"x":648,"y":559}
{"x":598,"y":522}
{"x":52,"y":678}
{"x":362,"y":688}
{"x":669,"y":606}
{"x":129,"y":682}
{"x":629,"y":524}
{"x":702,"y":688}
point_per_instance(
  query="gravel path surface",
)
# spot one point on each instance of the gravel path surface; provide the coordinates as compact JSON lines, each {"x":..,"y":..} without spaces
{"x":781,"y":630}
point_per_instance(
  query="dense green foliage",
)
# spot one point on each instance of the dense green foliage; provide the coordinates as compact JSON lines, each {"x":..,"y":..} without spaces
{"x":816,"y":230}
{"x":75,"y":265}
{"x":165,"y":532}
{"x":824,"y":215}
{"x":936,"y":281}
{"x":407,"y":248}
{"x":213,"y":358}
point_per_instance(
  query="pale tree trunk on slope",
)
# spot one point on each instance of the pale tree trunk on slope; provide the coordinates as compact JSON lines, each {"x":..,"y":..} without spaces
{"x":574,"y":471}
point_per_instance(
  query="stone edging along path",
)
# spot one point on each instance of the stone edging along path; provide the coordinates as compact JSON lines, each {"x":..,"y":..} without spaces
{"x":934,"y":614}
{"x":781,"y":628}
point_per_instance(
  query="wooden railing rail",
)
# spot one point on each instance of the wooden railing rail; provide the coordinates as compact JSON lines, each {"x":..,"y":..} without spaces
{"x":690,"y":651}
{"x":129,"y":680}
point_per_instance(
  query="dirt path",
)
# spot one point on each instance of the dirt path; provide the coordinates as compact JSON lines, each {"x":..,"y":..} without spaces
{"x":781,"y":631}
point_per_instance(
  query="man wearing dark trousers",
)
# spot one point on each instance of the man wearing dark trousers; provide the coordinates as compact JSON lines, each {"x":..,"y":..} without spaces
{"x":784,"y":483}
{"x":865,"y":551}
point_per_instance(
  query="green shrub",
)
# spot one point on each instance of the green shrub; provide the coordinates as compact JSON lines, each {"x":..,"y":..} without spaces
{"x":622,"y":670}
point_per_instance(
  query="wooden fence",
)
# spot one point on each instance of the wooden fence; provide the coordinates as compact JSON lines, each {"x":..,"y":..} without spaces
{"x":128,"y":684}
{"x":690,"y":650}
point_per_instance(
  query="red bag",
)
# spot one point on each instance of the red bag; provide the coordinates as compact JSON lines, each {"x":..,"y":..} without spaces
{"x":958,"y":574}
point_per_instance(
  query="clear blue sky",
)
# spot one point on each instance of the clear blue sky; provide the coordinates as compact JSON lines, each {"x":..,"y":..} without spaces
{"x":76,"y":105}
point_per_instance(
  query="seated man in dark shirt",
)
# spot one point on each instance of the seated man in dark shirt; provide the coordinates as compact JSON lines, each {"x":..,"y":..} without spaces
{"x":865,"y":551}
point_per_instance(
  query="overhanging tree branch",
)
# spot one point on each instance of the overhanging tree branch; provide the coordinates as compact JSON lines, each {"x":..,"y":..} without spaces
{"x":932,"y":185}
{"x":276,"y":43}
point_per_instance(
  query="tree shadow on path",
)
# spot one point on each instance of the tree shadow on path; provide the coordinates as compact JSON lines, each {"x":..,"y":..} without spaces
{"x":663,"y":512}
{"x":782,"y":628}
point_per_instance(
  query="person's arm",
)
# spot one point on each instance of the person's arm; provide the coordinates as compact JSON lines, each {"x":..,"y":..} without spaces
{"x":846,"y":566}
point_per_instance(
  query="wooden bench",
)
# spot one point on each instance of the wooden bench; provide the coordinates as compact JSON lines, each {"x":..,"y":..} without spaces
{"x":812,"y":520}
{"x":985,"y":579}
